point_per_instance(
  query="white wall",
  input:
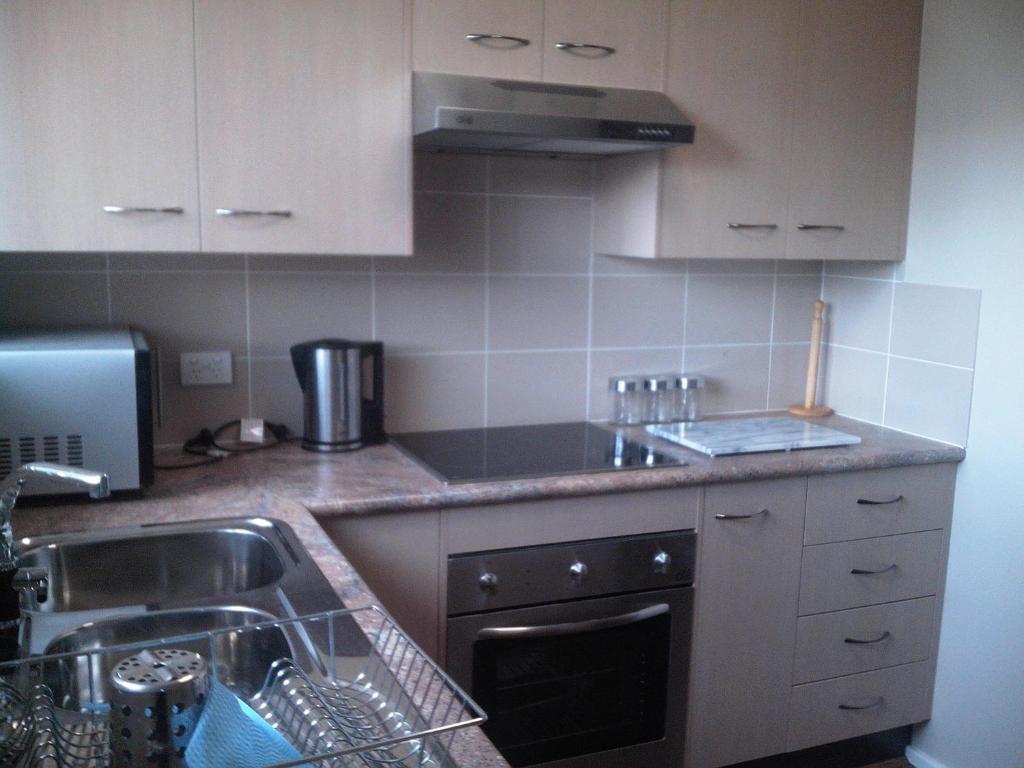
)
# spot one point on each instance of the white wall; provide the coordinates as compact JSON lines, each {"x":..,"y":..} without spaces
{"x":967,"y":229}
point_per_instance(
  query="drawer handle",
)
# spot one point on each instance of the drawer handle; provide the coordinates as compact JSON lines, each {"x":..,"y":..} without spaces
{"x":876,"y":703}
{"x":863,"y":572}
{"x":741,"y":517}
{"x":854,"y":641}
{"x":875,"y":503}
{"x":479,"y":37}
{"x":820,"y":227}
{"x":242,"y":212}
{"x":735,"y":225}
{"x":141,"y":209}
{"x":604,"y":50}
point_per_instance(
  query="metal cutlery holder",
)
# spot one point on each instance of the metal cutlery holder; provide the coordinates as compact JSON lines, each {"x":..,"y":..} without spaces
{"x":345,"y":688}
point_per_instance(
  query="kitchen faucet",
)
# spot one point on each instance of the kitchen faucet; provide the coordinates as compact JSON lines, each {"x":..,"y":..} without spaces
{"x":96,"y":483}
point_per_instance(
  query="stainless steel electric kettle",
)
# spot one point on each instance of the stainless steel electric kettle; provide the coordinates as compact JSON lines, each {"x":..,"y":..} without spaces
{"x":343,"y":393}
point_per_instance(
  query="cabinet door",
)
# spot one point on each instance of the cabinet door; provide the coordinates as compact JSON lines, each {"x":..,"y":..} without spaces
{"x":440,"y":43}
{"x":97,"y":109}
{"x":745,"y":632}
{"x":731,"y":65}
{"x":618,"y":43}
{"x":853,"y":129}
{"x":304,"y":133}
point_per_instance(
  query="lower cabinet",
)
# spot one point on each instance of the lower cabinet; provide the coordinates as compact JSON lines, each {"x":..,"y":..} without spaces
{"x":748,"y":584}
{"x":818,"y":607}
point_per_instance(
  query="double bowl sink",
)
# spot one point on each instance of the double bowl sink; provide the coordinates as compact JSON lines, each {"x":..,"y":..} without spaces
{"x":136,"y":585}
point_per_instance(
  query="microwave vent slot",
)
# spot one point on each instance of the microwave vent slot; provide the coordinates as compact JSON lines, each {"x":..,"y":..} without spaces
{"x":6,"y":457}
{"x":74,"y":450}
{"x":59,"y":449}
{"x":26,"y":450}
{"x":51,"y":448}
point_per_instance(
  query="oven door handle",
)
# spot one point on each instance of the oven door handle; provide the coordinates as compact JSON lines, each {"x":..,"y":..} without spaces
{"x":572,"y":628}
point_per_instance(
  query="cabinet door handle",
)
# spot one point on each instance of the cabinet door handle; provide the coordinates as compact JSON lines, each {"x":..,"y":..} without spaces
{"x":876,"y":703}
{"x":741,"y":517}
{"x":605,"y":50}
{"x":814,"y":227}
{"x":242,"y":212}
{"x":864,"y":572}
{"x":479,"y":37}
{"x":141,"y":209}
{"x":854,"y":641}
{"x":734,"y":225}
{"x":874,"y":503}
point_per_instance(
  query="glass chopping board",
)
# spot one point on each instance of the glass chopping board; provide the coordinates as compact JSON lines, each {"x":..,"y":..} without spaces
{"x":755,"y":435}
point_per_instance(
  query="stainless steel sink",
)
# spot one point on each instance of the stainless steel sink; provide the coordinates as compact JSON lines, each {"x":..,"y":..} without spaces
{"x":149,"y":582}
{"x":156,"y":568}
{"x":84,"y":677}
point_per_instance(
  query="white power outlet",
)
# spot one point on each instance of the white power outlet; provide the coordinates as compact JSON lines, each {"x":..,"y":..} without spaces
{"x":198,"y":368}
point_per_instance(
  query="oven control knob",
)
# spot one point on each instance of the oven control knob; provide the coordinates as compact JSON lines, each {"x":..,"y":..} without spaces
{"x":488,"y":582}
{"x":662,"y":561}
{"x":578,"y":571}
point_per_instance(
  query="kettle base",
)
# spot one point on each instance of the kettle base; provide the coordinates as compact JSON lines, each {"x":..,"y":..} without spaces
{"x":333,"y":447}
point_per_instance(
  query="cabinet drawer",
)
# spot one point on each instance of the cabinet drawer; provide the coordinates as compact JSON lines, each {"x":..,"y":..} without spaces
{"x":870,"y":571}
{"x":862,"y":639}
{"x":859,"y":505}
{"x":846,"y":707}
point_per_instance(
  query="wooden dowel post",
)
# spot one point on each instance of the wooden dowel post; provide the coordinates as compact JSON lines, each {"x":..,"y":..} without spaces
{"x":808,"y":408}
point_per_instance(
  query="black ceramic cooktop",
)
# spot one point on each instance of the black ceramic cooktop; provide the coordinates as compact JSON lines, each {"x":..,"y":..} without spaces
{"x":507,"y":453}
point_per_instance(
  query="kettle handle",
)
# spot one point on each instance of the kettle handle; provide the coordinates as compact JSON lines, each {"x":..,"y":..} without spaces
{"x":376,"y":351}
{"x":300,"y":361}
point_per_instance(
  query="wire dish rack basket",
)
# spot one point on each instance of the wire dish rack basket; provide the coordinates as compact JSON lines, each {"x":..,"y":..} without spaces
{"x":346,"y":688}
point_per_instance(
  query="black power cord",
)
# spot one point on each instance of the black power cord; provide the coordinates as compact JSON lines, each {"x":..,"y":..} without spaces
{"x":206,"y":444}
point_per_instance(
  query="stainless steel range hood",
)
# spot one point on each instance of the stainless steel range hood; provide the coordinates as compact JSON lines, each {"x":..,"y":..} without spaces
{"x":484,"y":115}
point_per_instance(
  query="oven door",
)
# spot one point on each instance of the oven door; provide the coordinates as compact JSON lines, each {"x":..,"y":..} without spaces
{"x":599,"y":683}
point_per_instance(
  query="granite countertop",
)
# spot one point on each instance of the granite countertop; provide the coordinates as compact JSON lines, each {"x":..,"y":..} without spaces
{"x":382,"y":478}
{"x":295,"y":486}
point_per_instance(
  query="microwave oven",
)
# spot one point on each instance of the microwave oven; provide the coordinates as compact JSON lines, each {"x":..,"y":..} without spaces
{"x":77,"y":397}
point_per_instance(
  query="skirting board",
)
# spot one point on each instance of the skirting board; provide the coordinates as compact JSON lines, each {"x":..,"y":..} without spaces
{"x":919,"y":759}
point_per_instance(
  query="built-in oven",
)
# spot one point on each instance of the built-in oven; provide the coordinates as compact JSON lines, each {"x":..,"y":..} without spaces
{"x":578,"y":652}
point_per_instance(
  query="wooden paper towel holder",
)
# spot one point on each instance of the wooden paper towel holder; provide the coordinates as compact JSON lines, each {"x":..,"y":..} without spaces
{"x":808,"y":408}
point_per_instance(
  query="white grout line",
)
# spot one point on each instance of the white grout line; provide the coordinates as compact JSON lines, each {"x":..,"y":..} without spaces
{"x":888,"y":351}
{"x":862,"y":278}
{"x":771,"y":336}
{"x":590,"y":294}
{"x":686,"y":315}
{"x":487,"y":292}
{"x":248,"y":332}
{"x":899,"y":357}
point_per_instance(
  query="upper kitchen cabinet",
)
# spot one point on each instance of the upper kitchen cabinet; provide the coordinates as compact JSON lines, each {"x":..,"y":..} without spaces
{"x":304,"y":129}
{"x":615,"y":43}
{"x":97,"y":126}
{"x":489,"y":38}
{"x":731,"y":65}
{"x":853,"y":129}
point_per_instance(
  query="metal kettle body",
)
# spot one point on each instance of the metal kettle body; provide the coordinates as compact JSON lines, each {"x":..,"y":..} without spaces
{"x":342,"y":392}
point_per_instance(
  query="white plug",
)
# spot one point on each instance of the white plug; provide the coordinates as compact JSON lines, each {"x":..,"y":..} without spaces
{"x":251,"y":430}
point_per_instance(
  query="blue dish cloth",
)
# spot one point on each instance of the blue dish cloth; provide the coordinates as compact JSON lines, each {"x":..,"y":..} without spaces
{"x":231,"y":734}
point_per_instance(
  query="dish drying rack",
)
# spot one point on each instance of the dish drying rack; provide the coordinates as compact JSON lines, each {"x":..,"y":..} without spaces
{"x":346,"y":688}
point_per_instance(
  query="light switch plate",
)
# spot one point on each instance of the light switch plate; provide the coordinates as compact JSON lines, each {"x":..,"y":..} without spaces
{"x":201,"y":368}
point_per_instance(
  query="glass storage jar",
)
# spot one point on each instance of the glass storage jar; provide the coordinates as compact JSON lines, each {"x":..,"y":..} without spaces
{"x":688,"y":398}
{"x":625,"y":399}
{"x":658,"y":399}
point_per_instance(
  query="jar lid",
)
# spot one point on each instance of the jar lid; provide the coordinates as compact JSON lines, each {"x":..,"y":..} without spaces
{"x":688,"y":381}
{"x":623,"y":384}
{"x":656,"y":383}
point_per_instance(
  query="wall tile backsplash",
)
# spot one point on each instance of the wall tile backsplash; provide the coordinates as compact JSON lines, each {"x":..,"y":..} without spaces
{"x":504,"y":317}
{"x":899,"y":354}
